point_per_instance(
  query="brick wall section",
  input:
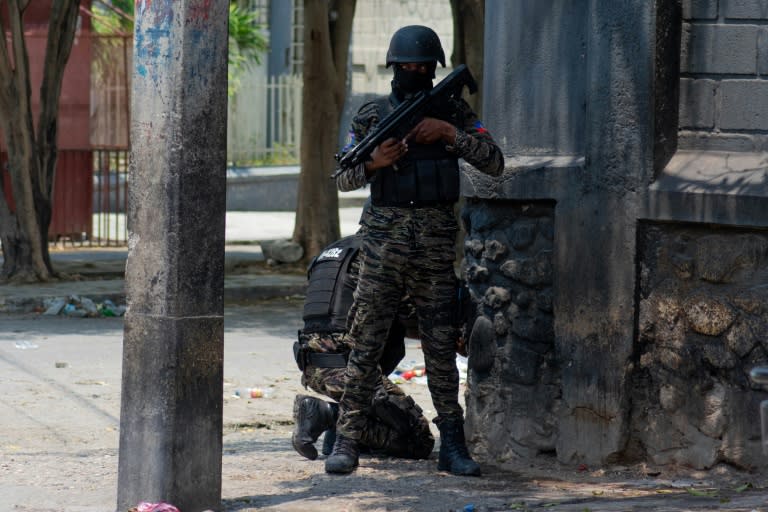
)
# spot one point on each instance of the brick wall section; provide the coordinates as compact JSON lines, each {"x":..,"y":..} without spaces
{"x":724,"y":75}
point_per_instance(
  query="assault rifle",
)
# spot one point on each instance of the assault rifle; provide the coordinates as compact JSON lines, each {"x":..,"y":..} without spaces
{"x":407,"y":115}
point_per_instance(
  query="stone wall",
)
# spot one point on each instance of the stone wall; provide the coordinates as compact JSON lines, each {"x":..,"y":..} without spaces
{"x":656,"y":209}
{"x":703,"y":315}
{"x":513,"y":371}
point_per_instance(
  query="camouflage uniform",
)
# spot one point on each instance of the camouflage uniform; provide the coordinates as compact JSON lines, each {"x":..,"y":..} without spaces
{"x":407,"y":250}
{"x":395,"y":425}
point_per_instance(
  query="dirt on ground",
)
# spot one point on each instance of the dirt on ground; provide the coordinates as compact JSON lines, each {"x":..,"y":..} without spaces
{"x":263,"y":473}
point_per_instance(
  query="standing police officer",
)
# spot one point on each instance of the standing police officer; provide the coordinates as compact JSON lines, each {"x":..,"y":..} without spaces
{"x":408,"y":246}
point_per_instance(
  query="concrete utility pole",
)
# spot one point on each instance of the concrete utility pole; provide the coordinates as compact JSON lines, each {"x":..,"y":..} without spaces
{"x":171,"y":411}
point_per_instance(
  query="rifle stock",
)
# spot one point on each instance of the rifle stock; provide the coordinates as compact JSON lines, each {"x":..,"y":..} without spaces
{"x":407,"y":115}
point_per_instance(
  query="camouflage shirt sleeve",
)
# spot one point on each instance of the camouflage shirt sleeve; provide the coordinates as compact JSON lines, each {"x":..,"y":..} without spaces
{"x":475,"y":145}
{"x":367,"y":118}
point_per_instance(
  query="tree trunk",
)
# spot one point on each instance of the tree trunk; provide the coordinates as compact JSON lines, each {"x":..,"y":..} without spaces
{"x":31,"y":157}
{"x":327,"y":32}
{"x":468,"y":30}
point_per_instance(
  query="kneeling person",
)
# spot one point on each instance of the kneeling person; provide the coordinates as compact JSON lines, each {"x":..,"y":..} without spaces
{"x":395,"y":425}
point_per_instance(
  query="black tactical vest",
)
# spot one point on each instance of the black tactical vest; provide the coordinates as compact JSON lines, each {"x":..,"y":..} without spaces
{"x":427,"y":176}
{"x":330,"y":287}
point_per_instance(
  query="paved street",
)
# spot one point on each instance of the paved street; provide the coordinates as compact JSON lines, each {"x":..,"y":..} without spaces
{"x":60,"y":400}
{"x":59,"y":420}
{"x":60,"y":410}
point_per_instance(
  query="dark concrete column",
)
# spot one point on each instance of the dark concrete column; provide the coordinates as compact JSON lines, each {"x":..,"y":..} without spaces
{"x":171,"y":413}
{"x":596,"y":232}
{"x":572,"y":89}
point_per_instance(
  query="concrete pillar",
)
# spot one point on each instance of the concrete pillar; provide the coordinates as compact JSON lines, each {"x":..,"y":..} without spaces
{"x":596,"y":232}
{"x":171,"y":411}
{"x":572,"y":89}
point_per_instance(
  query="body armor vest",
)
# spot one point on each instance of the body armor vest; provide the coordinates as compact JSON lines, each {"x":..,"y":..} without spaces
{"x":329,"y":292}
{"x":427,"y":176}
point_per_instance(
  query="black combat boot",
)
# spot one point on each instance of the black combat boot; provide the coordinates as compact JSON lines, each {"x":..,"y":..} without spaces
{"x":454,"y":456}
{"x":345,"y":456}
{"x":329,"y":438}
{"x":311,"y":416}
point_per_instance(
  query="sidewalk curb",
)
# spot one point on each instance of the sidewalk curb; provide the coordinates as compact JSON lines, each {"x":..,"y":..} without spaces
{"x":234,"y":294}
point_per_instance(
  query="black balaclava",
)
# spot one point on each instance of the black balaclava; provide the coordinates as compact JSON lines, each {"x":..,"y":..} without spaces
{"x":408,"y":83}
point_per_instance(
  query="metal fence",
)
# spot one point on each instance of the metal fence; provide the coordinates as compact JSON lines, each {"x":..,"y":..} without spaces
{"x":264,"y":128}
{"x":264,"y":122}
{"x":110,"y":197}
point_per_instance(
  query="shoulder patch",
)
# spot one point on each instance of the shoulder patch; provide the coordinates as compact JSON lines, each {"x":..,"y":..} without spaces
{"x":333,"y":253}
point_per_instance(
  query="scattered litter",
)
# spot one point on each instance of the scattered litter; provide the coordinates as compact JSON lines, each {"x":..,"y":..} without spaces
{"x":80,"y":307}
{"x":252,"y":393}
{"x":91,"y":382}
{"x":71,"y":310}
{"x":463,"y":366}
{"x":407,"y":371}
{"x":25,"y":345}
{"x":55,"y":307}
{"x":408,"y":365}
{"x":703,"y":493}
{"x":89,"y":306}
{"x":153,"y":507}
{"x":414,"y":371}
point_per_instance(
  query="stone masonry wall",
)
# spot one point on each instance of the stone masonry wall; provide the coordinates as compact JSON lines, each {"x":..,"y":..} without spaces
{"x":703,"y":316}
{"x":724,"y":71}
{"x":619,"y":266}
{"x":514,"y":381}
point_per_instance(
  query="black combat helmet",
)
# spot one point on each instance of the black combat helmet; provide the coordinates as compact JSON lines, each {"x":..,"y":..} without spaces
{"x":415,"y":43}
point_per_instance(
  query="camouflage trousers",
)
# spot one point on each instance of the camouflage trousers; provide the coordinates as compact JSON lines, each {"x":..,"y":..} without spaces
{"x":394,"y":425}
{"x":403,"y":251}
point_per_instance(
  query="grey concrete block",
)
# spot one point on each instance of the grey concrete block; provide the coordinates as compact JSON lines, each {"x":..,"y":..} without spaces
{"x":744,"y":105}
{"x":262,"y":189}
{"x":697,"y":103}
{"x":699,"y":9}
{"x":710,"y":141}
{"x":730,"y":49}
{"x":711,"y":187}
{"x":762,"y":51}
{"x":745,"y":9}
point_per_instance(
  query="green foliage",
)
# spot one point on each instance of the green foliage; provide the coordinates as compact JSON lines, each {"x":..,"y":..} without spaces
{"x":246,"y":44}
{"x":110,"y":16}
